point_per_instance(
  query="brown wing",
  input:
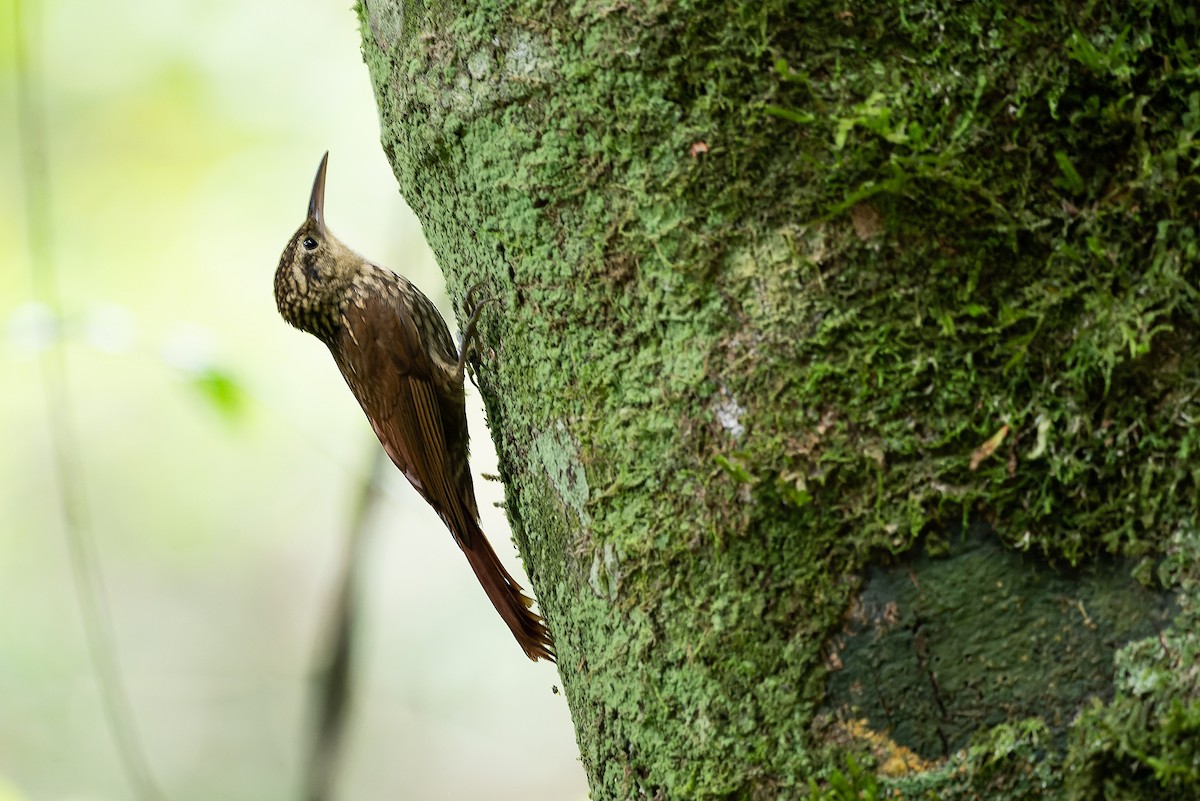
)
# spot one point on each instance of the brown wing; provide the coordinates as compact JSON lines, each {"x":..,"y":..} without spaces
{"x":424,"y":431}
{"x":420,"y":419}
{"x":383,"y":359}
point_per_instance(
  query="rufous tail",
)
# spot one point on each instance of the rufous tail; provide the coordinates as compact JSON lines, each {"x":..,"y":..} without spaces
{"x":505,"y":594}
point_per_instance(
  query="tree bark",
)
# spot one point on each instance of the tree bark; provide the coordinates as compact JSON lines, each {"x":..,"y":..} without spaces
{"x":844,"y":377}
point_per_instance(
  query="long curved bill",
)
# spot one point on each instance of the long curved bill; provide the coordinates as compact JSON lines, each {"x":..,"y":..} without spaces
{"x":316,"y":202}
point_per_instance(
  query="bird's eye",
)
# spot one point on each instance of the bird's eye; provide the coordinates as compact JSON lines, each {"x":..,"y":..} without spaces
{"x":310,"y":243}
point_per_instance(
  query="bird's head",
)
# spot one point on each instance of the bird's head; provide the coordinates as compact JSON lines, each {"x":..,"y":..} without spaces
{"x":316,"y":269}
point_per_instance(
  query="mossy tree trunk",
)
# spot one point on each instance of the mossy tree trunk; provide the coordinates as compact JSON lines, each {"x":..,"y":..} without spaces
{"x":844,"y":377}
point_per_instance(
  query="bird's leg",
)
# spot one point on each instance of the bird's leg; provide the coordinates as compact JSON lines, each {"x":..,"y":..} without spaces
{"x":469,"y":332}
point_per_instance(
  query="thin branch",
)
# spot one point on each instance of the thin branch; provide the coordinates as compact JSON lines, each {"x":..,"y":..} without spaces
{"x":89,"y":584}
{"x":332,"y":693}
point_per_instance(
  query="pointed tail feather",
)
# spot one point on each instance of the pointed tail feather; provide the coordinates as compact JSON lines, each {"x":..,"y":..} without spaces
{"x":505,"y":594}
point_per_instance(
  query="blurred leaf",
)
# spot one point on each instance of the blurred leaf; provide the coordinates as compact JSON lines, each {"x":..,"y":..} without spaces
{"x":222,"y":390}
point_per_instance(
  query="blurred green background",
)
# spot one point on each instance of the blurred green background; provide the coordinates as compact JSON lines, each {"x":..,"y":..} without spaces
{"x":219,"y":449}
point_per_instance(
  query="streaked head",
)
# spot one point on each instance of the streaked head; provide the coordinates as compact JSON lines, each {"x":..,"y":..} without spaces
{"x":315,"y":270}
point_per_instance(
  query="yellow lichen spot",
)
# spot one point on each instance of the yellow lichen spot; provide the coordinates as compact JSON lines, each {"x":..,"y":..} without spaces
{"x":895,"y":760}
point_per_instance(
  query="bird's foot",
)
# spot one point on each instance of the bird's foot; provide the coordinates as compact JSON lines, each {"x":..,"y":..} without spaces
{"x":470,"y":334}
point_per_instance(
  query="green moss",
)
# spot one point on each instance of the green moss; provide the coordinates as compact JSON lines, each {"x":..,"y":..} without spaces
{"x":1145,"y":743}
{"x":777,"y":272}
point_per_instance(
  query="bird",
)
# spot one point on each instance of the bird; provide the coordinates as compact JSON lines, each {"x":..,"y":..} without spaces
{"x":396,"y":354}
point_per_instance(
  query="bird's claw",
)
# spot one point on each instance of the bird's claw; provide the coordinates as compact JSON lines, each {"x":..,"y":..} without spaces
{"x":469,"y":331}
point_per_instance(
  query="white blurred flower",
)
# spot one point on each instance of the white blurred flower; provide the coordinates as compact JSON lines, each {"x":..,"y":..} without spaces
{"x":32,"y":327}
{"x":189,"y":348}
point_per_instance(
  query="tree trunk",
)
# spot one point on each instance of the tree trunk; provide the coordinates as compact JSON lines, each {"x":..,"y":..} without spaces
{"x":844,"y":377}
